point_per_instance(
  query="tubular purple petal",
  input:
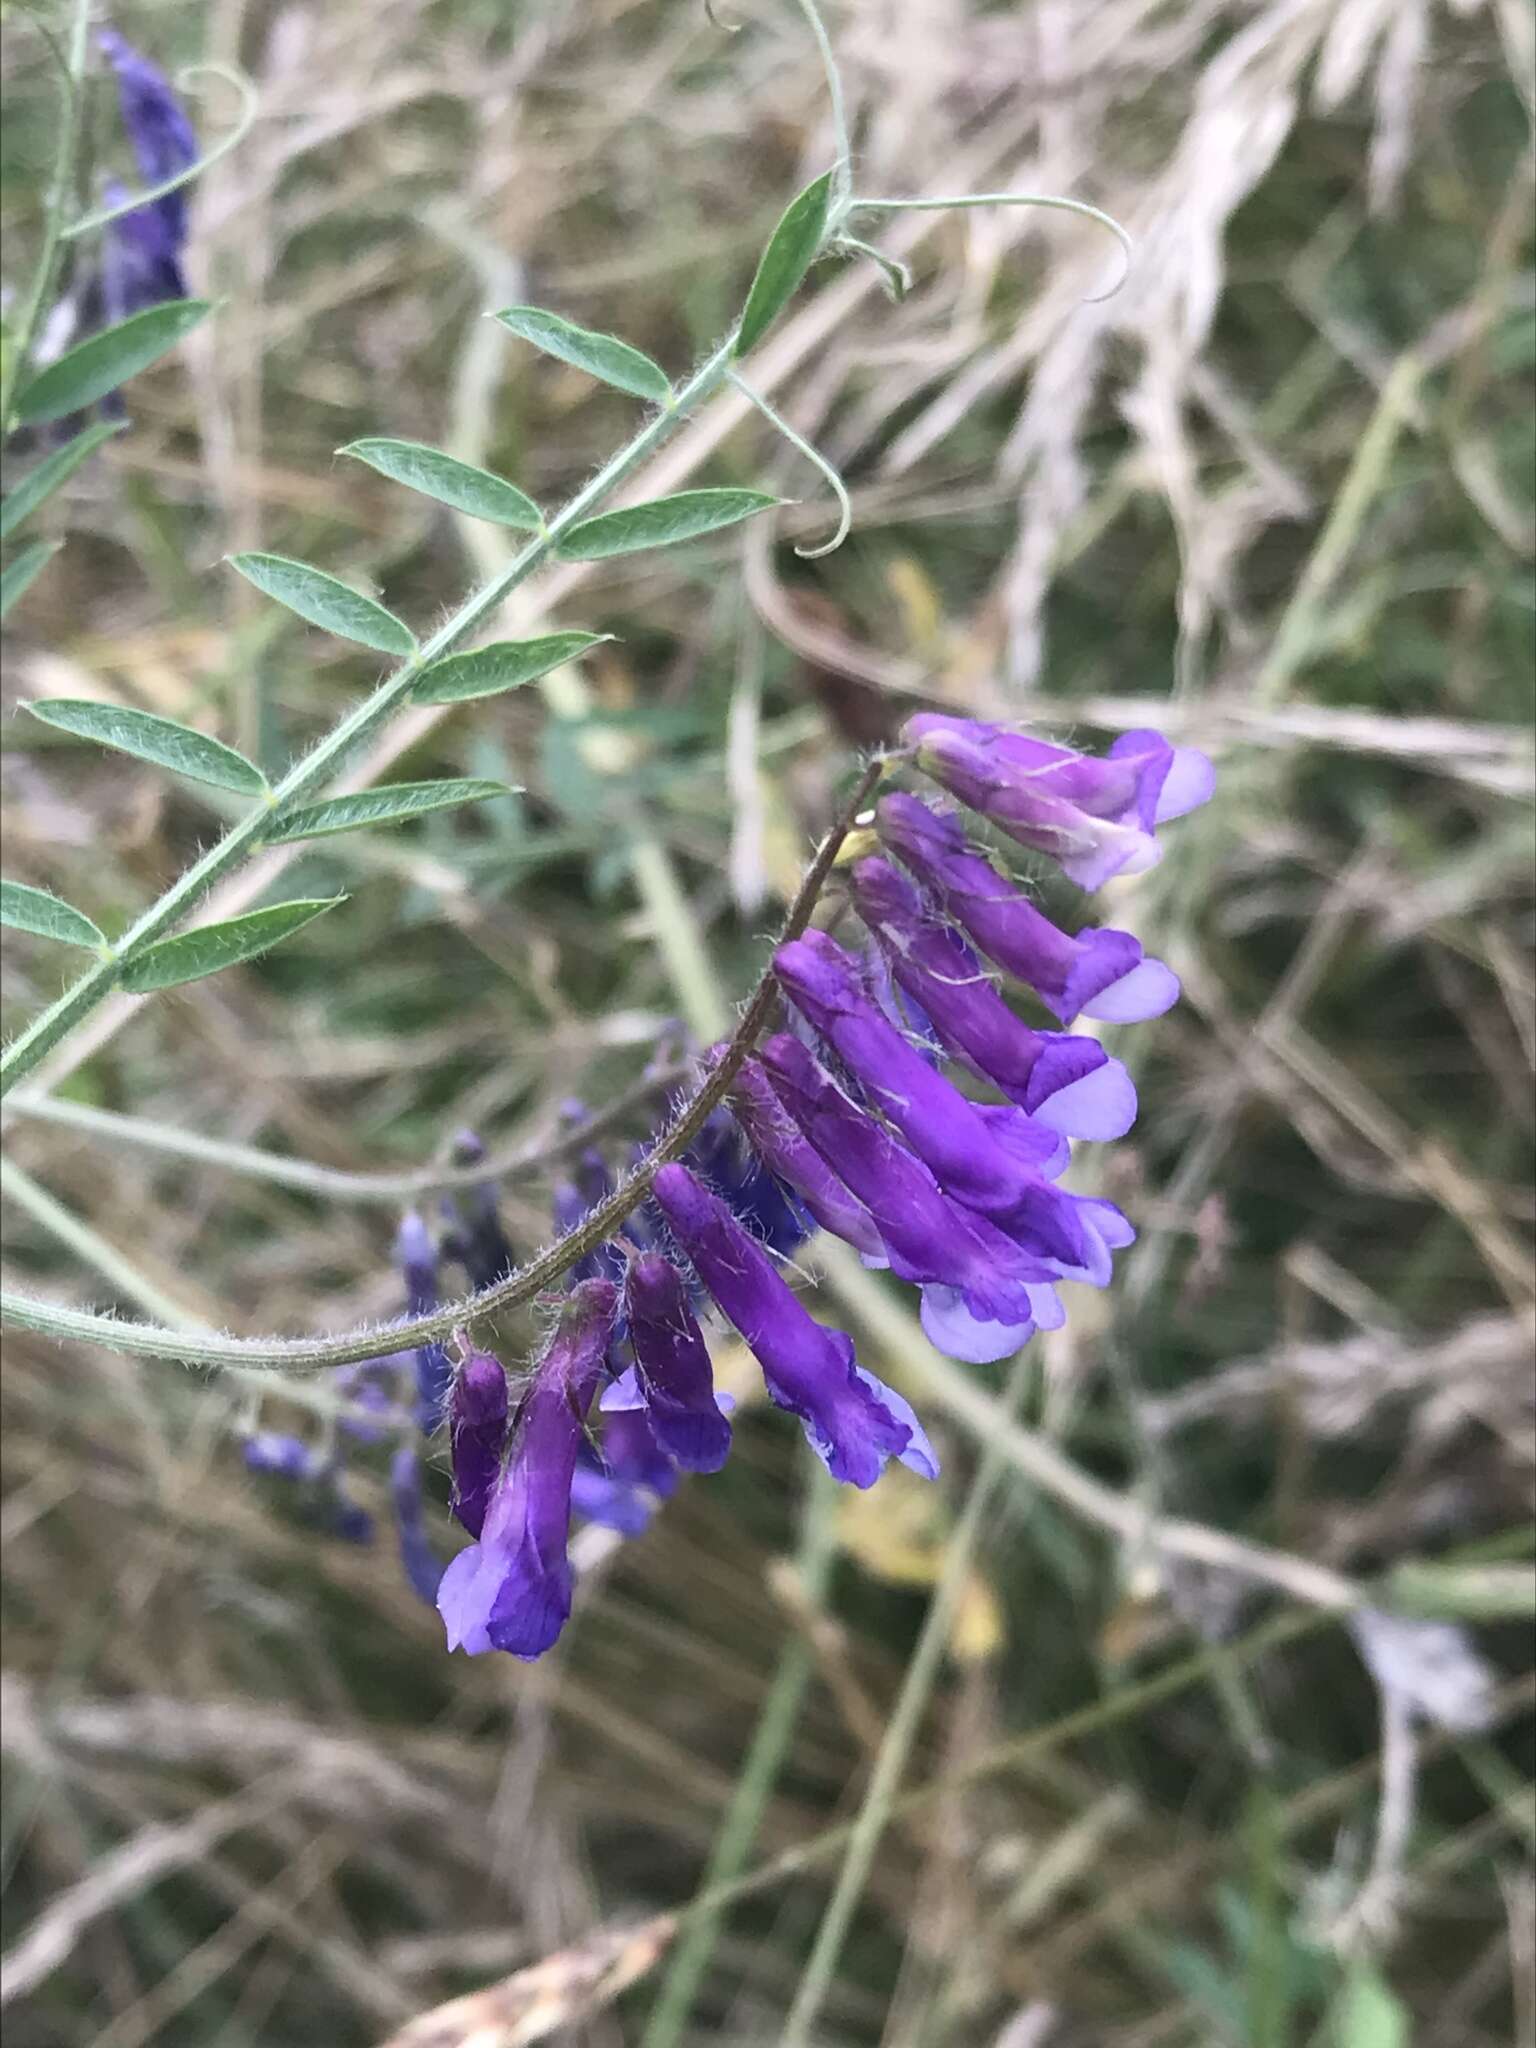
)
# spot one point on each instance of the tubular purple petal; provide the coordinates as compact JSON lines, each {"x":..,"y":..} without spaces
{"x":512,"y":1590}
{"x":948,"y":1133}
{"x":782,"y":1147}
{"x":672,"y":1372}
{"x":1100,"y":972}
{"x":807,"y":1368}
{"x":1033,"y":1069}
{"x":928,"y":1237}
{"x":477,"y":1425}
{"x":1094,"y":817}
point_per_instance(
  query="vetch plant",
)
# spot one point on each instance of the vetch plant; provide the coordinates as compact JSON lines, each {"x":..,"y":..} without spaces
{"x":833,"y":1105}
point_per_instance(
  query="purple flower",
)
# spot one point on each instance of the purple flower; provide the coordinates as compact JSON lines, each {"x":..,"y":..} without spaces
{"x":288,"y":1457}
{"x":851,"y":1421}
{"x":1100,"y":973}
{"x":931,"y":1241}
{"x":619,"y":1483}
{"x":162,"y":137}
{"x":1094,"y":817}
{"x":784,"y":1149}
{"x":989,"y":1161}
{"x":672,"y":1380}
{"x":477,"y":1429}
{"x":719,"y":1157}
{"x":1070,"y":1084}
{"x":422,"y":1570}
{"x":416,"y":1256}
{"x":512,"y":1589}
{"x":479,"y":1242}
{"x":140,"y":261}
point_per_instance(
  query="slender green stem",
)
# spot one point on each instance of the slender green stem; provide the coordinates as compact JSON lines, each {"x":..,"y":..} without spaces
{"x":71,"y":93}
{"x":817,"y":461}
{"x":879,"y":1802}
{"x":310,"y":1354}
{"x":1047,"y":199}
{"x":90,"y":1248}
{"x":760,"y":1768}
{"x":308,"y":776}
{"x":244,"y":121}
{"x":842,"y":169}
{"x":389,"y":1190}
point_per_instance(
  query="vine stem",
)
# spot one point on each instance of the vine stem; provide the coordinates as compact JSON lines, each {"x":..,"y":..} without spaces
{"x":244,"y":120}
{"x":336,"y":1184}
{"x":300,"y":1354}
{"x":20,"y":348}
{"x":311,"y":773}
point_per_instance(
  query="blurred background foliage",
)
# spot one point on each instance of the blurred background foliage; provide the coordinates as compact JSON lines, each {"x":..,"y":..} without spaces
{"x":1275,"y":495}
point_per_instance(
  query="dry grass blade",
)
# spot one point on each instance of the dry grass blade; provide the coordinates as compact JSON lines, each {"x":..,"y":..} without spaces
{"x":561,"y":1991}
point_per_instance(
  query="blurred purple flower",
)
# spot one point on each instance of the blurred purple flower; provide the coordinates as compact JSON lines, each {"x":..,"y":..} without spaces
{"x":416,"y":1257}
{"x":422,"y":1569}
{"x":163,"y":140}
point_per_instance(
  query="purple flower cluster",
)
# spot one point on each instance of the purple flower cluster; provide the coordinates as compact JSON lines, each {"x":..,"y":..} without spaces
{"x":844,"y":1121}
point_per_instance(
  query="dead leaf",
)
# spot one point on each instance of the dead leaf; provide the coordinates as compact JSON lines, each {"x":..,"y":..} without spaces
{"x":534,"y":2003}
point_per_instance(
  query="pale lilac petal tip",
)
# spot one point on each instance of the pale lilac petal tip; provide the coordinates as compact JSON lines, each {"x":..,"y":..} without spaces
{"x":1190,"y":782}
{"x":1147,"y":991}
{"x":1100,"y":1105}
{"x":951,"y":1328}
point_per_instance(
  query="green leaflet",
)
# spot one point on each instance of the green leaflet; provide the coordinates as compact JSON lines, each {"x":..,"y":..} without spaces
{"x":191,"y":955}
{"x":38,"y":911}
{"x":792,"y":249}
{"x":660,"y":523}
{"x":602,"y":356}
{"x":326,"y":602}
{"x":149,"y":737}
{"x":93,"y":368}
{"x":449,"y":481}
{"x":391,"y":805}
{"x":503,"y":665}
{"x":41,"y":482}
{"x":21,"y":571}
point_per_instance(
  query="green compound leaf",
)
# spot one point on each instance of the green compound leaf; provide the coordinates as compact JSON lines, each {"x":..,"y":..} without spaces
{"x":108,"y":359}
{"x":35,"y":910}
{"x":151,"y":738}
{"x":660,"y":523}
{"x":503,"y":665}
{"x":450,"y":481}
{"x":193,"y":954}
{"x":791,"y":251}
{"x":18,"y":575}
{"x":41,"y":482}
{"x":326,"y":602}
{"x":602,"y":356}
{"x":390,"y":805}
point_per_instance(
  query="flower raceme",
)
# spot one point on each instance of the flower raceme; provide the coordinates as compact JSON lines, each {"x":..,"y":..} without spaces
{"x":847,"y":1119}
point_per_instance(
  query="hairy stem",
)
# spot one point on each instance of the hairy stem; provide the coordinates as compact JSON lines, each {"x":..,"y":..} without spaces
{"x":308,"y":776}
{"x":310,"y":1354}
